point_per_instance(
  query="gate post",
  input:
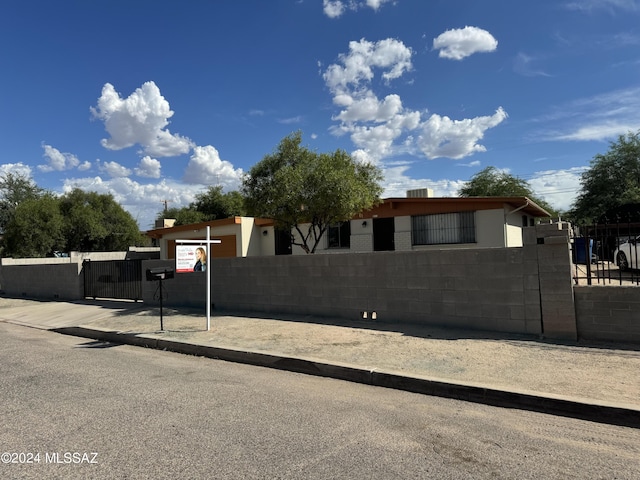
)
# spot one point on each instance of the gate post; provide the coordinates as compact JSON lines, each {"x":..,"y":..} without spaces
{"x":557,"y":305}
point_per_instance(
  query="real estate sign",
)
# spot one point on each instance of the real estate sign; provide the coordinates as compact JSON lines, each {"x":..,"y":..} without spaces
{"x":187,"y":258}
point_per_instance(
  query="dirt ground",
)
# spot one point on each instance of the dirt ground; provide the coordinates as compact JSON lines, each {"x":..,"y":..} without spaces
{"x":606,"y":373}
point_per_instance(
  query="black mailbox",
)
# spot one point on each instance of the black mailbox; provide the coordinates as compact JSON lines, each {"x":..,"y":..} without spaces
{"x":159,"y":273}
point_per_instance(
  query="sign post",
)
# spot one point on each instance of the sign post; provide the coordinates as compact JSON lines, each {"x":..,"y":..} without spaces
{"x":208,"y":242}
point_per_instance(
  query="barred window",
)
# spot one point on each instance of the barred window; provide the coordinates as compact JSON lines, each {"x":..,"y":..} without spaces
{"x":443,"y":228}
{"x":339,"y":235}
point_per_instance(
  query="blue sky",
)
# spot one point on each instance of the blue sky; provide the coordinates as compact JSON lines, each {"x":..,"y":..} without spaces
{"x":154,"y":100}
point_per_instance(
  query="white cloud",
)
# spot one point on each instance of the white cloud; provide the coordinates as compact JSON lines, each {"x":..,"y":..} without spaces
{"x":599,"y":132}
{"x":443,"y":137}
{"x":148,"y":167}
{"x":357,"y":66}
{"x":333,"y":8}
{"x":206,"y":168}
{"x":336,"y":8}
{"x":609,"y":5}
{"x":376,"y":4}
{"x":142,"y":201}
{"x":114,"y":169}
{"x":290,"y":120}
{"x":475,"y":163}
{"x":15,"y":169}
{"x":383,"y":128}
{"x":140,"y":119}
{"x":457,"y":44}
{"x":397,"y":182}
{"x":369,"y":108}
{"x":558,"y":187}
{"x":597,"y":118}
{"x":525,"y":65}
{"x":57,"y":161}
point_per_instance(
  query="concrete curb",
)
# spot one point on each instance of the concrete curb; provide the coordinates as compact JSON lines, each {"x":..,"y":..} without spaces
{"x":583,"y":410}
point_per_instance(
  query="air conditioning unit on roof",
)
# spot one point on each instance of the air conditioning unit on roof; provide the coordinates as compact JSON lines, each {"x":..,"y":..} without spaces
{"x":420,"y":193}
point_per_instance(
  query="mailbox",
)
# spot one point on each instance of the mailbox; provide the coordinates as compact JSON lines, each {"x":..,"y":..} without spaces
{"x":159,"y":273}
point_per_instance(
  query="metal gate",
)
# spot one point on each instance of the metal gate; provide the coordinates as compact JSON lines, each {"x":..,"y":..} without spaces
{"x":120,"y":279}
{"x":597,"y":251}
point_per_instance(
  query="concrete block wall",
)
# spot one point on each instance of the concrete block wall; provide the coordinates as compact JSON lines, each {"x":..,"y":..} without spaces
{"x":547,"y":245}
{"x":484,"y":289}
{"x":54,"y":281}
{"x":608,"y":313}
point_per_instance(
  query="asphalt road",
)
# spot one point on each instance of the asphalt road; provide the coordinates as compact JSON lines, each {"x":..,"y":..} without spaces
{"x":82,"y":409}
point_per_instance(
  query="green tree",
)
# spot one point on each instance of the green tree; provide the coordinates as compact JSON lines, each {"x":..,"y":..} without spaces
{"x":209,"y":205}
{"x":612,"y":180}
{"x":35,"y":229}
{"x":214,"y":204}
{"x":295,"y":186}
{"x":96,"y":222}
{"x":14,"y":189}
{"x":182,"y":216}
{"x":491,"y":182}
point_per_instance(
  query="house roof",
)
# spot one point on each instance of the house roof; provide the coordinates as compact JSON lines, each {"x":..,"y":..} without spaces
{"x":394,"y":207}
{"x":160,"y":232}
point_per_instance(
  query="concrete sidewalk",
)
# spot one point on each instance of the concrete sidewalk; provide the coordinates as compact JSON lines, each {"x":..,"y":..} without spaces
{"x":593,"y":382}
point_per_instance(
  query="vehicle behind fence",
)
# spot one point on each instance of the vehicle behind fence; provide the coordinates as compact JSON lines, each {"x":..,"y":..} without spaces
{"x":606,"y":253}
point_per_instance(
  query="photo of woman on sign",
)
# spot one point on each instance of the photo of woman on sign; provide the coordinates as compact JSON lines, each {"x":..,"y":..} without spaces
{"x":201,"y":264}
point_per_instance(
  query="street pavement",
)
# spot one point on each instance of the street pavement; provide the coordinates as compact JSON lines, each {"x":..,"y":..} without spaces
{"x":595,"y":382}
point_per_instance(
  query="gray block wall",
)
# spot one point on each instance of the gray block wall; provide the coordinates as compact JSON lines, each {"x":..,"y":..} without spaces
{"x":521,"y":290}
{"x":484,"y":289}
{"x":43,"y":281}
{"x":608,"y":313}
{"x":547,"y":246}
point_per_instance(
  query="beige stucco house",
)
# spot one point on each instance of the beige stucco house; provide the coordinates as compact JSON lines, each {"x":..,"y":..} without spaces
{"x":418,"y":222}
{"x":239,"y":237}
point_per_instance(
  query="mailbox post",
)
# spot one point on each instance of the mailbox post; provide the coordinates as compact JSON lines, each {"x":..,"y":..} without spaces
{"x":159,"y":274}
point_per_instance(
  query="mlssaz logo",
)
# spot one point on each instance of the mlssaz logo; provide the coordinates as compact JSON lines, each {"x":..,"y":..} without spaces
{"x":71,"y":457}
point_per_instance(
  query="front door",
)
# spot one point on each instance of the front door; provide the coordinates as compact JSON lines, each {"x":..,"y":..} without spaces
{"x":283,"y":242}
{"x":383,"y":233}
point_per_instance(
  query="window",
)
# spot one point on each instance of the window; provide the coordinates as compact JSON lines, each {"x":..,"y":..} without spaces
{"x":339,"y":235}
{"x":443,"y":228}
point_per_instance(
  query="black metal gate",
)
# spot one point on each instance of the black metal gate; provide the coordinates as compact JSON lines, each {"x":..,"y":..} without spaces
{"x":120,"y":279}
{"x":606,"y":253}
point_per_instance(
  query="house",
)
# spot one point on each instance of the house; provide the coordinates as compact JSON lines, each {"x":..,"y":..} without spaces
{"x":239,"y":237}
{"x":421,"y":221}
{"x":417,"y":222}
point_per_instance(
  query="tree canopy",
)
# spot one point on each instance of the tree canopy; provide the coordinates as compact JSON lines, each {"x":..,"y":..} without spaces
{"x":182,"y":216}
{"x":295,"y":186}
{"x":209,"y":205}
{"x":35,"y":229}
{"x":611,"y":182}
{"x":77,"y":221}
{"x":214,"y":204}
{"x":96,"y":222}
{"x":14,"y":189}
{"x":491,"y":182}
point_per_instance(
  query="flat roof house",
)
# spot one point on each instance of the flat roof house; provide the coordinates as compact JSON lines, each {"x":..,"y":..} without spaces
{"x":239,"y":236}
{"x":414,"y":223}
{"x":420,"y":222}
